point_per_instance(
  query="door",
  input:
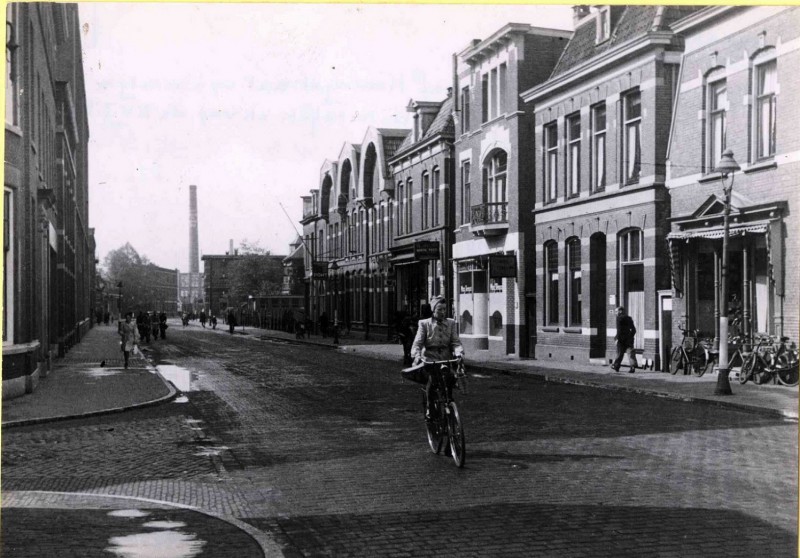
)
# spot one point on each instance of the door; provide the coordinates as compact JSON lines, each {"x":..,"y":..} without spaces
{"x":597,"y":296}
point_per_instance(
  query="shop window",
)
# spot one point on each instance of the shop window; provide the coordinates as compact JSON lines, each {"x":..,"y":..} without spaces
{"x":495,"y":285}
{"x":465,"y":283}
{"x":466,"y":322}
{"x":496,"y":325}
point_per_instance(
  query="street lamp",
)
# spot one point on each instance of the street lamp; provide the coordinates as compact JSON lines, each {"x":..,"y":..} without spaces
{"x":727,"y":166}
{"x":334,"y":267}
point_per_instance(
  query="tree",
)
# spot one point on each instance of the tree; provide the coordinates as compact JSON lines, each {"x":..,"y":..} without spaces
{"x":252,"y":248}
{"x":255,"y":275}
{"x":126,"y":266}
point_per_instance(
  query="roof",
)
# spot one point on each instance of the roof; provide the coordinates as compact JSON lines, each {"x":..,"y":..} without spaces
{"x":629,"y":23}
{"x":441,"y":124}
{"x":299,"y":253}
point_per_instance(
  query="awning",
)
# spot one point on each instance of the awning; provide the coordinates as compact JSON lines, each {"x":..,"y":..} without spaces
{"x":403,"y":258}
{"x":719,"y":232}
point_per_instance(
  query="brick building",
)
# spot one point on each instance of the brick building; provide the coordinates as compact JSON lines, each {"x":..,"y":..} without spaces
{"x":422,"y":177}
{"x":49,"y":261}
{"x":739,"y":89}
{"x":601,"y":204}
{"x":494,"y":195}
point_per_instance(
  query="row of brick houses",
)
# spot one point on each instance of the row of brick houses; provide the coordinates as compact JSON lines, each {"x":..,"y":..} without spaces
{"x":48,"y":247}
{"x":568,"y":173}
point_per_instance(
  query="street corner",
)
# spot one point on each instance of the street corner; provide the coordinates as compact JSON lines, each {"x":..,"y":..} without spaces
{"x":37,"y":524}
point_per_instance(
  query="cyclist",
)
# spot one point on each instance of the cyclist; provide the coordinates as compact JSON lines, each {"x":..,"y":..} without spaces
{"x":437,"y":337}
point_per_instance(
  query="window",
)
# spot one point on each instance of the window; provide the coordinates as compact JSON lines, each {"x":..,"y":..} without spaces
{"x":465,"y":110}
{"x":603,"y":24}
{"x":551,"y":162}
{"x":381,"y":231}
{"x":409,"y":206}
{"x":466,"y":201}
{"x":426,"y":199}
{"x":765,"y":117}
{"x":11,"y":67}
{"x":599,"y":148}
{"x":551,"y":282}
{"x":574,"y":281}
{"x":435,"y":207}
{"x":632,"y":114}
{"x":574,"y":155}
{"x":717,"y":105}
{"x":401,"y":208}
{"x":8,"y":266}
{"x":501,"y":89}
{"x":495,"y":180}
{"x":492,"y":93}
{"x":630,"y":246}
{"x":484,"y":98}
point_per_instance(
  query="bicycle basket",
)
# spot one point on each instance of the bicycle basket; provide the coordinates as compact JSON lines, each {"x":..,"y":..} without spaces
{"x":689,"y":343}
{"x":415,"y":374}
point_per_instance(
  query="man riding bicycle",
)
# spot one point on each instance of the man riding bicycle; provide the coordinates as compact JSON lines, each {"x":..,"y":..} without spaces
{"x":437,"y":336}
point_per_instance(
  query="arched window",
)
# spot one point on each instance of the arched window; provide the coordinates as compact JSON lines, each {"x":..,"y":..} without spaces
{"x":437,"y":177}
{"x":496,"y":325}
{"x":551,"y":282}
{"x":426,"y":199}
{"x":466,"y":322}
{"x":409,"y":216}
{"x":494,"y":172}
{"x":574,"y":282}
{"x":401,"y":208}
{"x":716,"y":106}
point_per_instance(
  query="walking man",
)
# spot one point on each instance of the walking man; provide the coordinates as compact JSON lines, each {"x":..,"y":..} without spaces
{"x":626,"y":332}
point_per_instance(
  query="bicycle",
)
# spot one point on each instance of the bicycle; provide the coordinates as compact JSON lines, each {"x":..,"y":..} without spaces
{"x":691,"y":355}
{"x":771,"y":359}
{"x":444,"y":427}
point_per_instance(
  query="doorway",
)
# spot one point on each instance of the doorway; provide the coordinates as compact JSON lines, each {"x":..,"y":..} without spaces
{"x":597,"y":296}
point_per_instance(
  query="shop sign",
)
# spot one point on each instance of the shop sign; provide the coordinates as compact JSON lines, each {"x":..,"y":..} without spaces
{"x":502,"y":266}
{"x":426,"y":250}
{"x":319,"y":270}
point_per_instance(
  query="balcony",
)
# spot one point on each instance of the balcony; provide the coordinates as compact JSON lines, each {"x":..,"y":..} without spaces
{"x":489,"y":219}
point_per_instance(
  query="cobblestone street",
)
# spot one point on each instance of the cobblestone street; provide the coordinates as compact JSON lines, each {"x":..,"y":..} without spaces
{"x":324,"y":454}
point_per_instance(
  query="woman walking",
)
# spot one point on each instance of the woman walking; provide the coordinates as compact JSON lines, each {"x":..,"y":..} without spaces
{"x":127,"y":332}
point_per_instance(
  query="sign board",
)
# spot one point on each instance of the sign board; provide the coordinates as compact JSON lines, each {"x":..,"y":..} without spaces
{"x":502,"y":266}
{"x":426,"y":250}
{"x":319,"y":270}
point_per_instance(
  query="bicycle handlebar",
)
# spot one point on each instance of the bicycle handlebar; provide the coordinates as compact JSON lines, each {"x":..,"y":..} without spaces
{"x":449,"y":361}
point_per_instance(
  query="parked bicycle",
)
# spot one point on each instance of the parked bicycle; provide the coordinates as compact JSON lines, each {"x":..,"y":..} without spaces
{"x":444,"y":428}
{"x":771,"y":358}
{"x":692,"y":355}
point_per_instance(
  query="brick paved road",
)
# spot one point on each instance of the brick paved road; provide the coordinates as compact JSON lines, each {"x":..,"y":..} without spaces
{"x":326,"y":453}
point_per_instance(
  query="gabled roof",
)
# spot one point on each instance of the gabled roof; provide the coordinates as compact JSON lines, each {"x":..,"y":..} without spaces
{"x":441,"y":124}
{"x":627,"y":24}
{"x":298,"y":253}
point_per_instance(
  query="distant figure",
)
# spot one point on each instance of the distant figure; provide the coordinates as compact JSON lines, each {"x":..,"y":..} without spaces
{"x":626,"y":332}
{"x":299,"y":329}
{"x":405,"y":334}
{"x":231,"y":321}
{"x":213,"y":322}
{"x":106,"y":318}
{"x":162,"y":324}
{"x":154,"y":325}
{"x":323,"y":324}
{"x":185,"y":319}
{"x":99,"y":317}
{"x":203,"y":318}
{"x":140,"y":324}
{"x":147,"y":327}
{"x":128,"y":335}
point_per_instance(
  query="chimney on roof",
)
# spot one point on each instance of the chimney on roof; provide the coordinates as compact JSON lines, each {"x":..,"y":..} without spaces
{"x":578,"y":13}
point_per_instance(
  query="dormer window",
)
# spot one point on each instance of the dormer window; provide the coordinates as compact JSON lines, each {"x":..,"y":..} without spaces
{"x":603,"y":20}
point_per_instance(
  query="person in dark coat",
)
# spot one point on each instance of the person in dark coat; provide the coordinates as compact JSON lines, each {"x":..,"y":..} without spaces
{"x":323,"y":324}
{"x":626,"y":332}
{"x":231,"y":321}
{"x":213,"y":322}
{"x":162,"y":324}
{"x":203,"y":318}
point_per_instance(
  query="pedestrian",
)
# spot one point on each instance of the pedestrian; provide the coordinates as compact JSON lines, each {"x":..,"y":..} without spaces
{"x":147,"y":327}
{"x":323,"y":324}
{"x":203,"y":318}
{"x":213,"y":321}
{"x":405,"y":334}
{"x":99,"y":317}
{"x":106,"y":318}
{"x":626,"y":332}
{"x":162,"y":324}
{"x":231,"y":321}
{"x":155,"y":329}
{"x":127,"y":332}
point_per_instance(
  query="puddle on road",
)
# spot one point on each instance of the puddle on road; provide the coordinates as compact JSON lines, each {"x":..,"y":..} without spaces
{"x":159,"y":544}
{"x":181,"y":399}
{"x":99,"y":371}
{"x":128,"y":513}
{"x":164,"y":524}
{"x":179,"y":376}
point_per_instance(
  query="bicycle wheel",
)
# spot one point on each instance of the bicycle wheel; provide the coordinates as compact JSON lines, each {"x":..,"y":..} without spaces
{"x":700,"y":361}
{"x":786,"y":369}
{"x":455,"y":433}
{"x":434,"y":426}
{"x":675,"y":360}
{"x":747,"y":368}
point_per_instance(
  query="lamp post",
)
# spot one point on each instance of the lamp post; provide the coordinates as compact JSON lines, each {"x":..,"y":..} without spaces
{"x":727,"y":166}
{"x":334,"y":267}
{"x":367,"y":204}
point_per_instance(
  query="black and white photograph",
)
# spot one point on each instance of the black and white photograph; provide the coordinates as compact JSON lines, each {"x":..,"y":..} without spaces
{"x":304,"y":280}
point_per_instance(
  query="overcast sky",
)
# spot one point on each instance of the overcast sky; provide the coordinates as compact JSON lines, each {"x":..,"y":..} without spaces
{"x":247,"y":101}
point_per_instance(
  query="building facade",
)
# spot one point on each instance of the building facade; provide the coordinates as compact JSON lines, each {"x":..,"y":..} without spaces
{"x":49,"y":261}
{"x":493,"y":278}
{"x":422,"y":182}
{"x":738,"y":90}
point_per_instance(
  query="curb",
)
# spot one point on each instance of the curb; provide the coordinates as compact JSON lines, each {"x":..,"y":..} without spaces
{"x":269,"y":548}
{"x":173,"y":393}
